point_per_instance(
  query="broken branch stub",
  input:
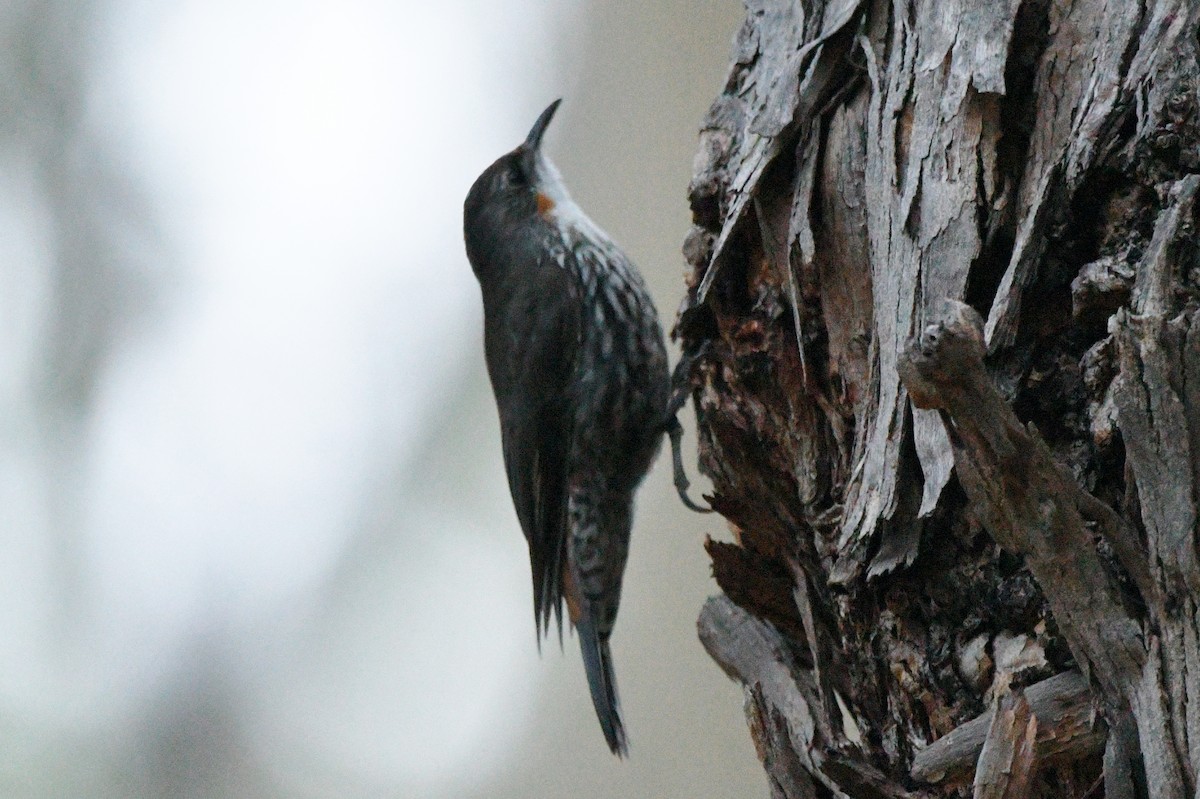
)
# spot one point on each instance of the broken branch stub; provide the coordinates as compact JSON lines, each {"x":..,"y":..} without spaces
{"x":1025,"y":499}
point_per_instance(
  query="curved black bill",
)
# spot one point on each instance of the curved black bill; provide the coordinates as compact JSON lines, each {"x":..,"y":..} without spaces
{"x":534,"y":140}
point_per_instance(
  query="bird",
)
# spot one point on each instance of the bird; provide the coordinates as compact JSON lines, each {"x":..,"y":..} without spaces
{"x":578,"y":365}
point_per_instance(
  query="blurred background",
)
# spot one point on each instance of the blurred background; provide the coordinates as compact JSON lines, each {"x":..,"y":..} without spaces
{"x":255,"y":538}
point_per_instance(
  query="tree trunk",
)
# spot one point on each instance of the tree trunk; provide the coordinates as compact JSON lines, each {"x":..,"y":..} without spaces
{"x":945,"y":303}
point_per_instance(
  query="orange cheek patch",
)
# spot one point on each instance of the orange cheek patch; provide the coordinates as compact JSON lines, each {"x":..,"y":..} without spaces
{"x":544,"y":204}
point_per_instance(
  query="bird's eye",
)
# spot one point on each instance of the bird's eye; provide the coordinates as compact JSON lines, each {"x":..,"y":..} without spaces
{"x":515,"y":176}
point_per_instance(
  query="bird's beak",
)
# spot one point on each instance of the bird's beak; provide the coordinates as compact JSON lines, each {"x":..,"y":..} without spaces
{"x":533,"y":141}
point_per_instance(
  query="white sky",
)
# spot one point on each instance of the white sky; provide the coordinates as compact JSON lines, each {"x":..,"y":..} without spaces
{"x":259,"y":506}
{"x":294,"y":166}
{"x":306,"y":163}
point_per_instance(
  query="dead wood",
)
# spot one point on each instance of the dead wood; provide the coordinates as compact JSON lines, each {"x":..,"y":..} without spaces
{"x":1005,"y":769}
{"x":1068,"y":728}
{"x":936,"y":504}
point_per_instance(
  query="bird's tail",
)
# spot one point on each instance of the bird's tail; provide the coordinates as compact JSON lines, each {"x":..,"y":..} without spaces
{"x":602,"y":681}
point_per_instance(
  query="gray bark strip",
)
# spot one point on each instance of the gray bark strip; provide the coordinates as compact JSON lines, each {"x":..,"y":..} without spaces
{"x":1160,"y":755}
{"x":786,"y":772}
{"x":1006,"y":762}
{"x":1120,"y":752}
{"x":1158,"y":401}
{"x":1158,"y":411}
{"x":777,"y":84}
{"x":817,"y":641}
{"x":932,"y":135}
{"x":799,"y":234}
{"x":844,"y":268}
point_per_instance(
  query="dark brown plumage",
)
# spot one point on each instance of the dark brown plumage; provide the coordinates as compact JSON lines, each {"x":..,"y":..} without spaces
{"x":577,"y":362}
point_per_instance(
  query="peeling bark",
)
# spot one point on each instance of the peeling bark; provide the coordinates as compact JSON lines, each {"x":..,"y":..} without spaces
{"x":945,"y":295}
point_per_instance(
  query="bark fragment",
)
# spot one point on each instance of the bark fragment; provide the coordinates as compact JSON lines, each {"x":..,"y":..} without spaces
{"x":1006,"y":763}
{"x":783,"y":703}
{"x":1068,"y":729}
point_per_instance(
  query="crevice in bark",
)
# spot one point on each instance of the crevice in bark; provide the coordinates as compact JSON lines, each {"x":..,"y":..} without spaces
{"x":987,"y":270}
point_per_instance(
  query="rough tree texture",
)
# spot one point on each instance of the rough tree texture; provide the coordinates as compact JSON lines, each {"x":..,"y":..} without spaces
{"x":946,"y":301}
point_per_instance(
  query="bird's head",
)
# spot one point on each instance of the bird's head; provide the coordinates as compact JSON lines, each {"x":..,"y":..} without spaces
{"x":517,"y":188}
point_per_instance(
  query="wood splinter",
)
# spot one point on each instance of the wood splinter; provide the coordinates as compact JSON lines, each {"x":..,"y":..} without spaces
{"x":1068,"y":729}
{"x":1006,"y":763}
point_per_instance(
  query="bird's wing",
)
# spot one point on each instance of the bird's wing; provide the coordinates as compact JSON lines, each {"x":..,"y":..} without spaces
{"x":541,"y":331}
